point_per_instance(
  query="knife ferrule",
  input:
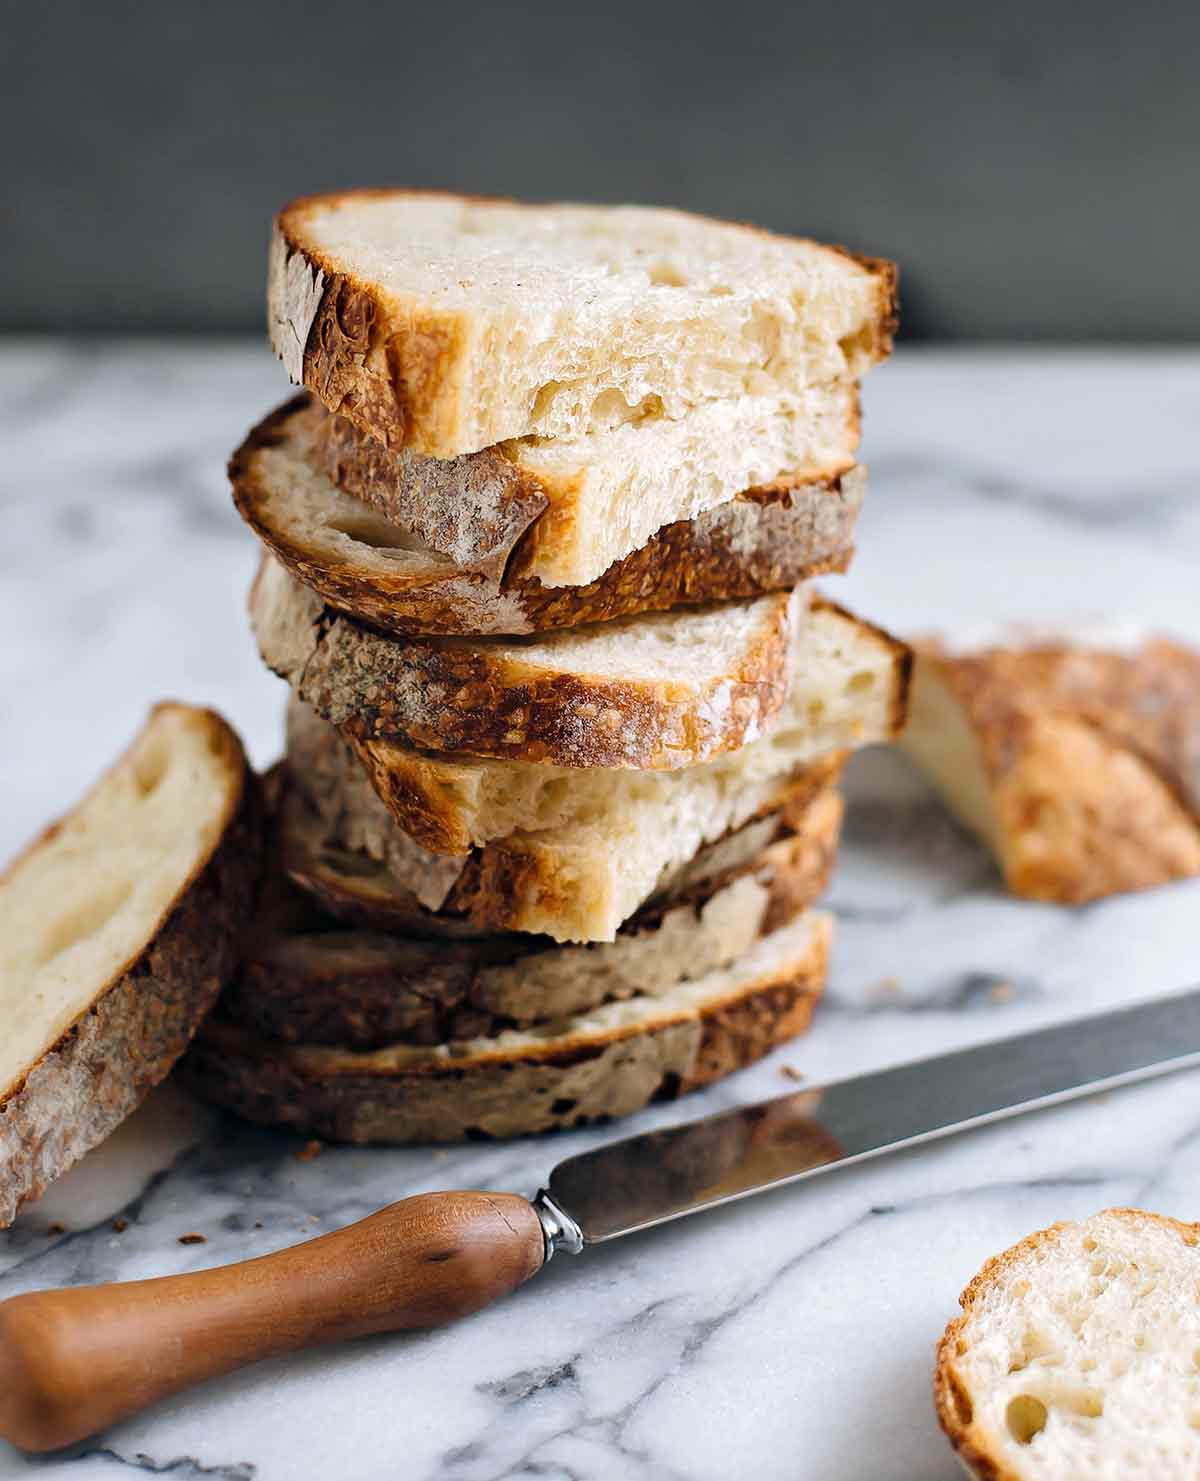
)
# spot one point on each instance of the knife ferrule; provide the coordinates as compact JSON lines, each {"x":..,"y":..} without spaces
{"x":559,"y":1228}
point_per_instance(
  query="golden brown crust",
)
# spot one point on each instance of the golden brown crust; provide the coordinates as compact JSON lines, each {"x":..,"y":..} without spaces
{"x":951,"y":1396}
{"x":487,"y":699}
{"x":400,"y":385}
{"x":767,"y":539}
{"x":1092,"y":759}
{"x":133,"y":1032}
{"x":506,"y":1091}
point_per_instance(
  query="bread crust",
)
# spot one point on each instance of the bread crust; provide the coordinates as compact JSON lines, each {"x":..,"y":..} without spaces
{"x":1092,"y":761}
{"x":974,"y":1445}
{"x":397,"y":367}
{"x":303,"y":982}
{"x":766,"y":539}
{"x":137,"y":1026}
{"x":487,"y":699}
{"x":508,"y":1091}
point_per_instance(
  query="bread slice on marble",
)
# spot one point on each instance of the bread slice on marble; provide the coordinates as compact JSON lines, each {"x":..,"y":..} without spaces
{"x":307,"y":979}
{"x":608,"y":1061}
{"x":659,"y":691}
{"x":118,"y":928}
{"x":1075,"y":1355}
{"x":424,"y":894}
{"x":1079,"y":766}
{"x":446,"y":550}
{"x":448,"y":323}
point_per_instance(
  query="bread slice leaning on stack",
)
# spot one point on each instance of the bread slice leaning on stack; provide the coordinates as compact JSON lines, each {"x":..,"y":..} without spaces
{"x":1075,"y":1355}
{"x":121,"y":924}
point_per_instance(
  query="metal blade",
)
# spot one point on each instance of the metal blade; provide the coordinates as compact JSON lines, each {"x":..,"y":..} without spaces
{"x":662,"y":1175}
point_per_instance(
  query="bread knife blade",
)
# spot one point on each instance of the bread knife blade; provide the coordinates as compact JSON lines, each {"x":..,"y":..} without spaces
{"x":74,"y":1361}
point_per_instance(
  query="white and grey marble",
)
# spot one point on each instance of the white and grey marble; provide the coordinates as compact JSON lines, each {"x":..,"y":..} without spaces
{"x":791,"y":1337}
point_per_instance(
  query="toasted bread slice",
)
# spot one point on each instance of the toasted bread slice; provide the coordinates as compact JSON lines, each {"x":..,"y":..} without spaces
{"x":1079,"y":767}
{"x":120,"y":925}
{"x":1075,"y":1355}
{"x":359,"y":889}
{"x":452,"y":553}
{"x":449,"y":324}
{"x":660,"y":691}
{"x":607,"y":1062}
{"x":309,"y":980}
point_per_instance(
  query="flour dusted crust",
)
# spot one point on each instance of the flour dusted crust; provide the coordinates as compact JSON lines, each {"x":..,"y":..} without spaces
{"x":440,"y":560}
{"x":139,"y":1020}
{"x":607,"y":1063}
{"x":1090,"y":760}
{"x":654,"y":692}
{"x":438,"y":360}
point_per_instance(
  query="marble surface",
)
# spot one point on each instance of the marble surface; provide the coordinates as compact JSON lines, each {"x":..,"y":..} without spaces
{"x":791,"y":1337}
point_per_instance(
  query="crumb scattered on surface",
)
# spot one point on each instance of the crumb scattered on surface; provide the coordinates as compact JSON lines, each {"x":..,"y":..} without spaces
{"x":120,"y":1226}
{"x":258,"y":1223}
{"x":790,"y":1072}
{"x":1002,"y":992}
{"x":193,"y":1239}
{"x":310,"y":1150}
{"x":56,"y":1228}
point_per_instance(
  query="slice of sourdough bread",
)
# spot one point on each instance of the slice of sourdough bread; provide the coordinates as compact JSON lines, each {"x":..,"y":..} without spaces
{"x":358,"y":889}
{"x":120,"y":925}
{"x":449,"y":549}
{"x":1075,"y":1355}
{"x":1079,"y":767}
{"x":609,"y":1061}
{"x":848,"y":689}
{"x":448,"y":324}
{"x":311,"y":981}
{"x":659,"y":691}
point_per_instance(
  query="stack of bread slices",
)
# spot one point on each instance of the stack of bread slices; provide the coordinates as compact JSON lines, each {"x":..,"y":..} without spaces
{"x":566,"y":717}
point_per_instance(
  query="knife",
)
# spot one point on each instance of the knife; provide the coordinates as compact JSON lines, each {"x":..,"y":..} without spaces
{"x":76,"y":1360}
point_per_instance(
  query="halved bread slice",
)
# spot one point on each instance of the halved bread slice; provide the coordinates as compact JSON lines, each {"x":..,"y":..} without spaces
{"x":448,"y":323}
{"x":1076,"y":1355}
{"x":1079,"y":767}
{"x":311,"y":981}
{"x":118,"y":927}
{"x":426,"y":894}
{"x":578,"y":882}
{"x":609,"y":1061}
{"x":849,"y":688}
{"x":659,"y":691}
{"x":448,"y":549}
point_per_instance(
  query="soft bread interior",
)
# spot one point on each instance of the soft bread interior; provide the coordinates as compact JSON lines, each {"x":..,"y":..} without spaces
{"x":86,"y":899}
{"x":940,"y":739}
{"x":1079,"y":1353}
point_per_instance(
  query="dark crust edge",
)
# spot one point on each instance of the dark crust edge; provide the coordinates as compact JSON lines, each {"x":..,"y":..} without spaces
{"x":134,"y":1031}
{"x":683,"y":563}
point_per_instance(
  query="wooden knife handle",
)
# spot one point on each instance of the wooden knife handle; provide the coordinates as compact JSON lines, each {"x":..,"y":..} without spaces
{"x":74,"y":1361}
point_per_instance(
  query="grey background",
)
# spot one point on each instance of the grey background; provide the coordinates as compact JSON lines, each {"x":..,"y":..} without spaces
{"x":1032,"y":167}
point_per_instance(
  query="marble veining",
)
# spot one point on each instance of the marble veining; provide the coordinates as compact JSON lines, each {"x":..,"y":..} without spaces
{"x":790,"y":1337}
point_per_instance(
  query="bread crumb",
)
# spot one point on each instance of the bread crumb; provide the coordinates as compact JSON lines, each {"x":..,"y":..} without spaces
{"x":258,"y":1223}
{"x":790,"y":1072}
{"x":309,"y":1151}
{"x":193,"y":1239}
{"x":120,"y":1226}
{"x":56,"y":1228}
{"x":1002,"y":992}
